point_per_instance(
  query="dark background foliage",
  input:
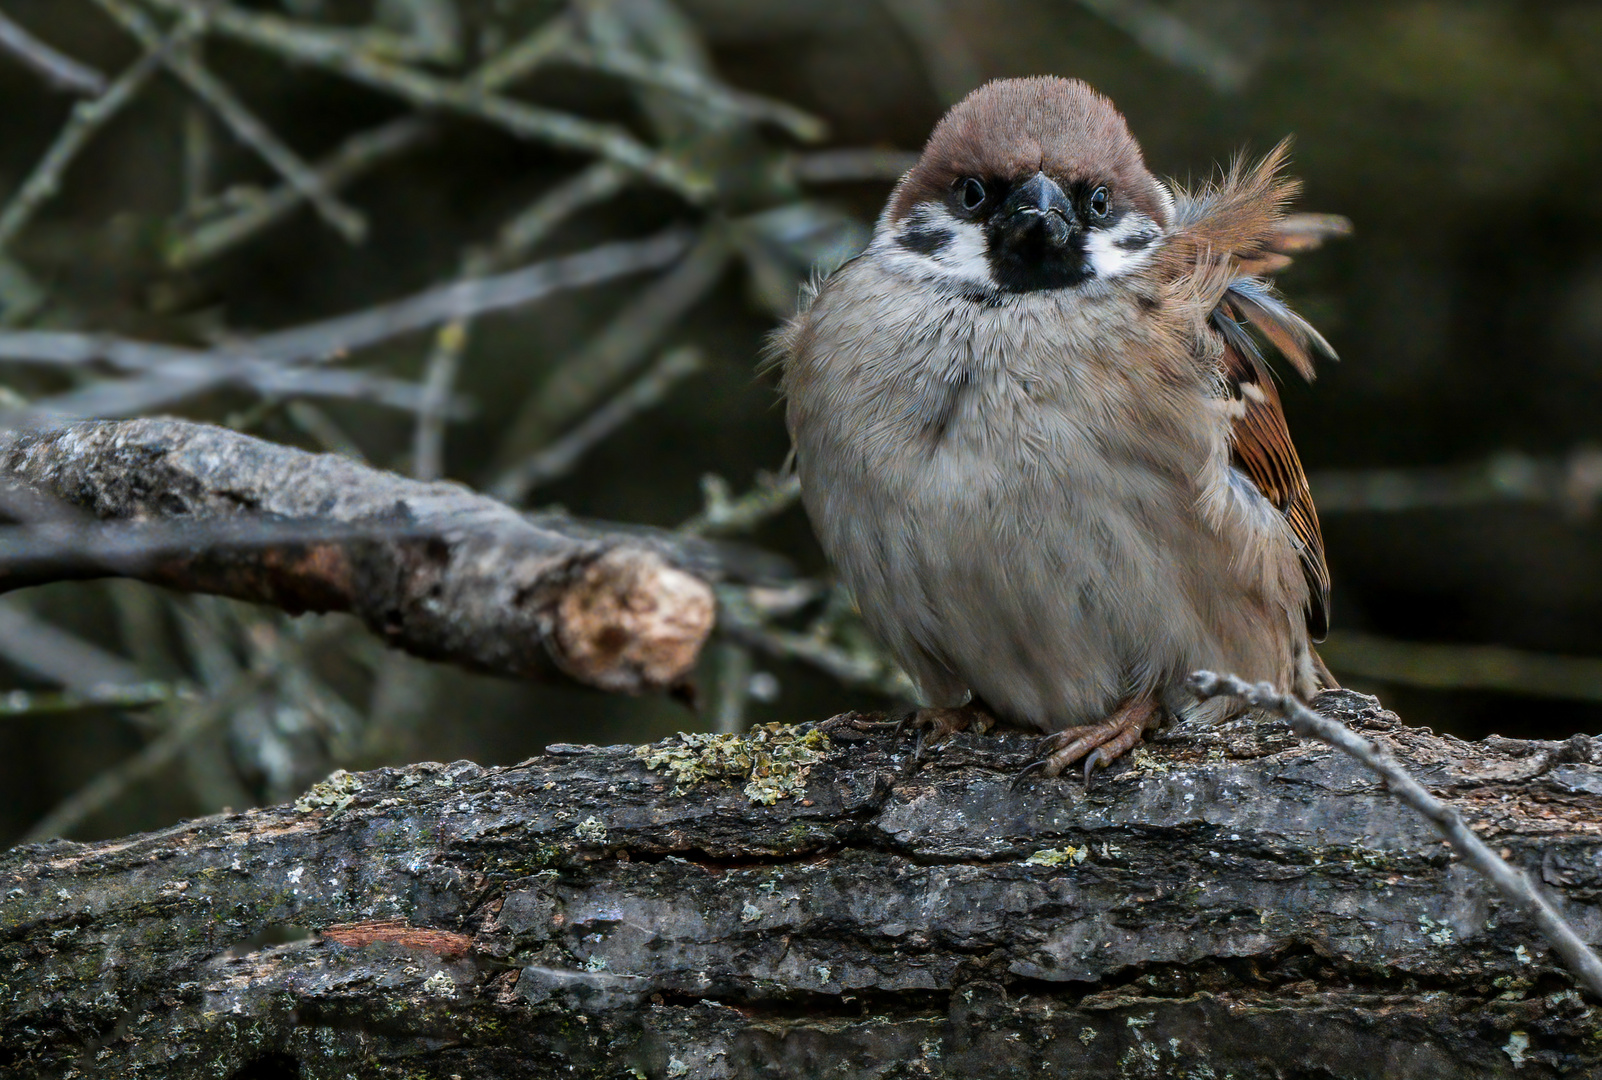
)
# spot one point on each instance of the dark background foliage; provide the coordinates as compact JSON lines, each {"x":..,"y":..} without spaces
{"x":1462,"y":139}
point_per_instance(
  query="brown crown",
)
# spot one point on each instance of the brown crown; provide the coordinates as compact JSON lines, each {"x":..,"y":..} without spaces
{"x":1011,"y":128}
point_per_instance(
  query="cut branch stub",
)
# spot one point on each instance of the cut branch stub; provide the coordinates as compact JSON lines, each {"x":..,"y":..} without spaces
{"x":434,"y":568}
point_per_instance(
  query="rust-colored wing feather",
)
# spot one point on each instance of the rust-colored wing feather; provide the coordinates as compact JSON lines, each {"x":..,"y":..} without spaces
{"x":1263,"y":449}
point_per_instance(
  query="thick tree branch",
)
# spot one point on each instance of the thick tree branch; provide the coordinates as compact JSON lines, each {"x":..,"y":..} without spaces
{"x":1241,"y":900}
{"x":433,"y":568}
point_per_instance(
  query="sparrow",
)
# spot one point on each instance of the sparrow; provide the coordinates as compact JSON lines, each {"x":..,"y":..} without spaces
{"x":1039,"y":441}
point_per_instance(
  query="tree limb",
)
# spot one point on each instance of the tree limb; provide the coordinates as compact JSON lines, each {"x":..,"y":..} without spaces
{"x":441,"y":572}
{"x":783,"y":906}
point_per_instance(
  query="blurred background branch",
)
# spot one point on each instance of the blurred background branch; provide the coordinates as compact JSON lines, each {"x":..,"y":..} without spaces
{"x":533,"y":247}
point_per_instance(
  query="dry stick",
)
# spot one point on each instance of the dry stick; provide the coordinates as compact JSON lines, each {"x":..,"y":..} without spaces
{"x":723,"y":515}
{"x":262,"y":210}
{"x":428,"y":91}
{"x":848,"y":165}
{"x":691,"y":86}
{"x":1459,"y":667}
{"x":87,"y":118}
{"x":559,"y":458}
{"x":1170,"y":38}
{"x":62,"y":71}
{"x":516,"y":238}
{"x":337,"y":337}
{"x":71,"y":349}
{"x":1514,"y":884}
{"x":245,"y":125}
{"x":166,"y":747}
{"x":628,"y":339}
{"x":1574,"y":483}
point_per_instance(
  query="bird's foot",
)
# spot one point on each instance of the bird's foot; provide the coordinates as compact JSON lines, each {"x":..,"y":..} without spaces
{"x":935,"y":725}
{"x":1099,"y":744}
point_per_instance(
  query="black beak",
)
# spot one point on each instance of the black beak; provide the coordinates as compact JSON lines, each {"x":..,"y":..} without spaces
{"x":1039,"y":212}
{"x":1036,"y":241}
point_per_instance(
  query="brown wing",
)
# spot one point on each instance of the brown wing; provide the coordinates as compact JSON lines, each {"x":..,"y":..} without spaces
{"x":1263,"y":449}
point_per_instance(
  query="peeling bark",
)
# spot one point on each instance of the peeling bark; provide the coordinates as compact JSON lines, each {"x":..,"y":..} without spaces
{"x":1230,"y":903}
{"x":462,"y":577}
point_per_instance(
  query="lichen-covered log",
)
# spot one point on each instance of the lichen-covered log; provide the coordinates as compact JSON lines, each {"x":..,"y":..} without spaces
{"x":444,"y":573}
{"x":1236,"y":903}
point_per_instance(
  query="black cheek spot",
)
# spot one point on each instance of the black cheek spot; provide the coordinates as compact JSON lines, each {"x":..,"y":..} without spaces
{"x":1138,"y":242}
{"x":924,"y":239}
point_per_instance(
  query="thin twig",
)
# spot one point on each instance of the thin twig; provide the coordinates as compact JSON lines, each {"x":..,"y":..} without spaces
{"x":1574,"y":483}
{"x":175,"y":374}
{"x":46,"y":651}
{"x":559,"y":458}
{"x":513,"y":242}
{"x":724,"y":514}
{"x":1513,"y":884}
{"x":691,"y":86}
{"x":948,"y":59}
{"x":1168,"y":37}
{"x":87,"y":118}
{"x":628,"y":339}
{"x":60,"y":70}
{"x":16,"y":704}
{"x":1464,"y":667}
{"x":260,"y":210}
{"x":429,"y":91}
{"x":849,"y":165}
{"x":245,"y":125}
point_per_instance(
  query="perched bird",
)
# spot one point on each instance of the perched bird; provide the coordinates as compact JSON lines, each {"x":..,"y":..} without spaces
{"x":1037,"y":437}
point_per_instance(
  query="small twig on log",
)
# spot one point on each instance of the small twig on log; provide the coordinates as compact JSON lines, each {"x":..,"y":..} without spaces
{"x":245,"y":125}
{"x":60,"y":70}
{"x":475,"y":583}
{"x":559,"y":458}
{"x":1514,"y":885}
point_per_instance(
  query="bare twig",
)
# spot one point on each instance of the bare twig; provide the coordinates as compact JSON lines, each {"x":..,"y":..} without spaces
{"x":175,"y":374}
{"x":1464,"y":667}
{"x":60,"y":70}
{"x":726,"y":514}
{"x":688,"y":84}
{"x":46,"y":651}
{"x":948,"y":59}
{"x":558,"y":459}
{"x":1513,"y":884}
{"x":188,"y":725}
{"x":629,"y":337}
{"x":849,"y":165}
{"x":245,"y":125}
{"x":1574,"y":484}
{"x":428,"y":91}
{"x":15,"y":704}
{"x":261,"y":210}
{"x":513,"y":242}
{"x":88,"y":117}
{"x":1168,"y":37}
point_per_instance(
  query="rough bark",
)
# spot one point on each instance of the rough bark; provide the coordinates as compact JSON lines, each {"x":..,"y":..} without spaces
{"x":441,"y":571}
{"x":1232,"y":903}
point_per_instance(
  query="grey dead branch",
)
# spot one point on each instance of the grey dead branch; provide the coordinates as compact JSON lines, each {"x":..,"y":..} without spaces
{"x":1241,"y":902}
{"x":466,"y":579}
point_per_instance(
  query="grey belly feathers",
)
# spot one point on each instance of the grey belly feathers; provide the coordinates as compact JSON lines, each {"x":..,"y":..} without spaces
{"x":1012,"y":527}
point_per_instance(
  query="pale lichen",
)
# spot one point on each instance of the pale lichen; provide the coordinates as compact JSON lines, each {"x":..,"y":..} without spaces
{"x":333,"y":794}
{"x":773,"y":759}
{"x":1059,"y":856}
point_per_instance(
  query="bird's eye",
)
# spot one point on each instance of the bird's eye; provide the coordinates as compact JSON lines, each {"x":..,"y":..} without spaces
{"x":971,"y":194}
{"x":1098,"y":202}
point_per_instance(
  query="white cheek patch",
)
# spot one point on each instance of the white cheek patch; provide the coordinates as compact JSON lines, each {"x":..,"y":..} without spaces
{"x":1124,"y":248}
{"x":931,"y":243}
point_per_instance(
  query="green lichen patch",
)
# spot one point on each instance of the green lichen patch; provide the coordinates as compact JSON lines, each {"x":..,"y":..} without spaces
{"x":773,"y":759}
{"x":333,"y":794}
{"x":1059,"y":856}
